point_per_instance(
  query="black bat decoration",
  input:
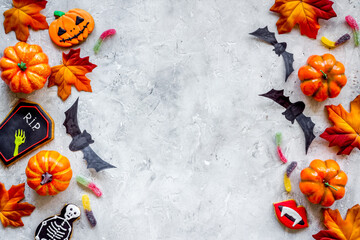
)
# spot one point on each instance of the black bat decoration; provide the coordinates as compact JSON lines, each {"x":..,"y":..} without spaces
{"x":82,"y":140}
{"x":279,"y":48}
{"x":294,"y":111}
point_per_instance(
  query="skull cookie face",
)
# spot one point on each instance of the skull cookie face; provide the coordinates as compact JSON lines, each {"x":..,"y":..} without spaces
{"x":71,"y":212}
{"x":59,"y":226}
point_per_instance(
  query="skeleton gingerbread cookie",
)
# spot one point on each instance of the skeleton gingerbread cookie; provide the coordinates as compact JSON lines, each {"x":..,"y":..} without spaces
{"x":59,"y":226}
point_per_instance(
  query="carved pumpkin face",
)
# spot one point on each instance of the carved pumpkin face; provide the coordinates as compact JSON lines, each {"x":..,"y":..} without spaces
{"x":71,"y":28}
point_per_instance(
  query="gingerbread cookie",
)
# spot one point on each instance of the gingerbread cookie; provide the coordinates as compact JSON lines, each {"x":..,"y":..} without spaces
{"x":291,"y":215}
{"x":25,"y":128}
{"x":59,"y":226}
{"x":71,"y":28}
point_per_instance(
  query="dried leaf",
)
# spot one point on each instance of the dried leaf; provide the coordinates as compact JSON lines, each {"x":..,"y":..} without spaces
{"x":72,"y":72}
{"x":348,"y":229}
{"x":25,"y":13}
{"x":10,"y":210}
{"x":303,"y":12}
{"x":346,"y":129}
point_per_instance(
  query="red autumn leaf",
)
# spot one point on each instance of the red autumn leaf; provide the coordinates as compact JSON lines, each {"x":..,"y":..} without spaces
{"x":326,"y":235}
{"x":11,"y":210}
{"x":303,"y":12}
{"x":25,"y":13}
{"x":71,"y":72}
{"x":339,"y":229}
{"x":346,"y":129}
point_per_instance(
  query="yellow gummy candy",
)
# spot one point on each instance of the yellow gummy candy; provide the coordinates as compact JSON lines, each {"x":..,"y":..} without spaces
{"x":86,"y":202}
{"x":287,"y":183}
{"x":327,"y":42}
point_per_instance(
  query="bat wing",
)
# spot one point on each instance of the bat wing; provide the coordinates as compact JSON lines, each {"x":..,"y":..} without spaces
{"x":278,"y":97}
{"x":307,"y":126}
{"x":265,"y":35}
{"x":94,"y":161}
{"x":71,"y":121}
{"x":288,"y":59}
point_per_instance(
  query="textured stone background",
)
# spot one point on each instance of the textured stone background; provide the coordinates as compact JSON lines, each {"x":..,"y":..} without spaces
{"x":175,"y":107}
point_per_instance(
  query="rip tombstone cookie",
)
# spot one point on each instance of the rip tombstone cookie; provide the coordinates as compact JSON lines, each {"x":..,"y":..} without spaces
{"x":27,"y":127}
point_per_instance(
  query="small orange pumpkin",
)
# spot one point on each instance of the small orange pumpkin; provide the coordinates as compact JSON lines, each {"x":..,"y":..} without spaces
{"x":71,"y":28}
{"x":323,"y":182}
{"x":322,"y":77}
{"x":24,"y":67}
{"x":48,"y":173}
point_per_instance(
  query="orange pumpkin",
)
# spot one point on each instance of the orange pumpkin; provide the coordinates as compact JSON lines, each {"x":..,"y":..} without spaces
{"x":322,"y":77}
{"x":24,"y":67}
{"x":48,"y":173}
{"x":323,"y":182}
{"x":71,"y":28}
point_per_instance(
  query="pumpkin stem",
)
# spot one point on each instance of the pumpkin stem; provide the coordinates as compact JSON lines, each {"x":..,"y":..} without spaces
{"x":58,"y":14}
{"x":324,"y":74}
{"x":328,"y":185}
{"x":22,"y":66}
{"x":46,"y":178}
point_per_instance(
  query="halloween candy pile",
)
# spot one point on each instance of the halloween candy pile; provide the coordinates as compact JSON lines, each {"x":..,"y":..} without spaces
{"x":321,"y":77}
{"x":25,"y":69}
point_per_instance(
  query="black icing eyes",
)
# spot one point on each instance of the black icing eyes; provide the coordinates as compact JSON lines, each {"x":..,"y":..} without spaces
{"x":61,"y":31}
{"x":79,"y":20}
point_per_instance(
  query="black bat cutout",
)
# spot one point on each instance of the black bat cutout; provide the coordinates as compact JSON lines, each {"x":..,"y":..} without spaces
{"x":82,"y":140}
{"x":294,"y":111}
{"x":279,"y":48}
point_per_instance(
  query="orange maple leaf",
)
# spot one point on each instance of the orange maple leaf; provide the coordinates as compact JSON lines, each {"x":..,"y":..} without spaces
{"x":25,"y":13}
{"x":303,"y":12}
{"x":348,"y":229}
{"x":72,"y":72}
{"x":11,"y":210}
{"x":346,"y":129}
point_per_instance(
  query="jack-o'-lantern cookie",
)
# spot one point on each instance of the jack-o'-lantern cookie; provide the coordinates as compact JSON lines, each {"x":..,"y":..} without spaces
{"x":71,"y":28}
